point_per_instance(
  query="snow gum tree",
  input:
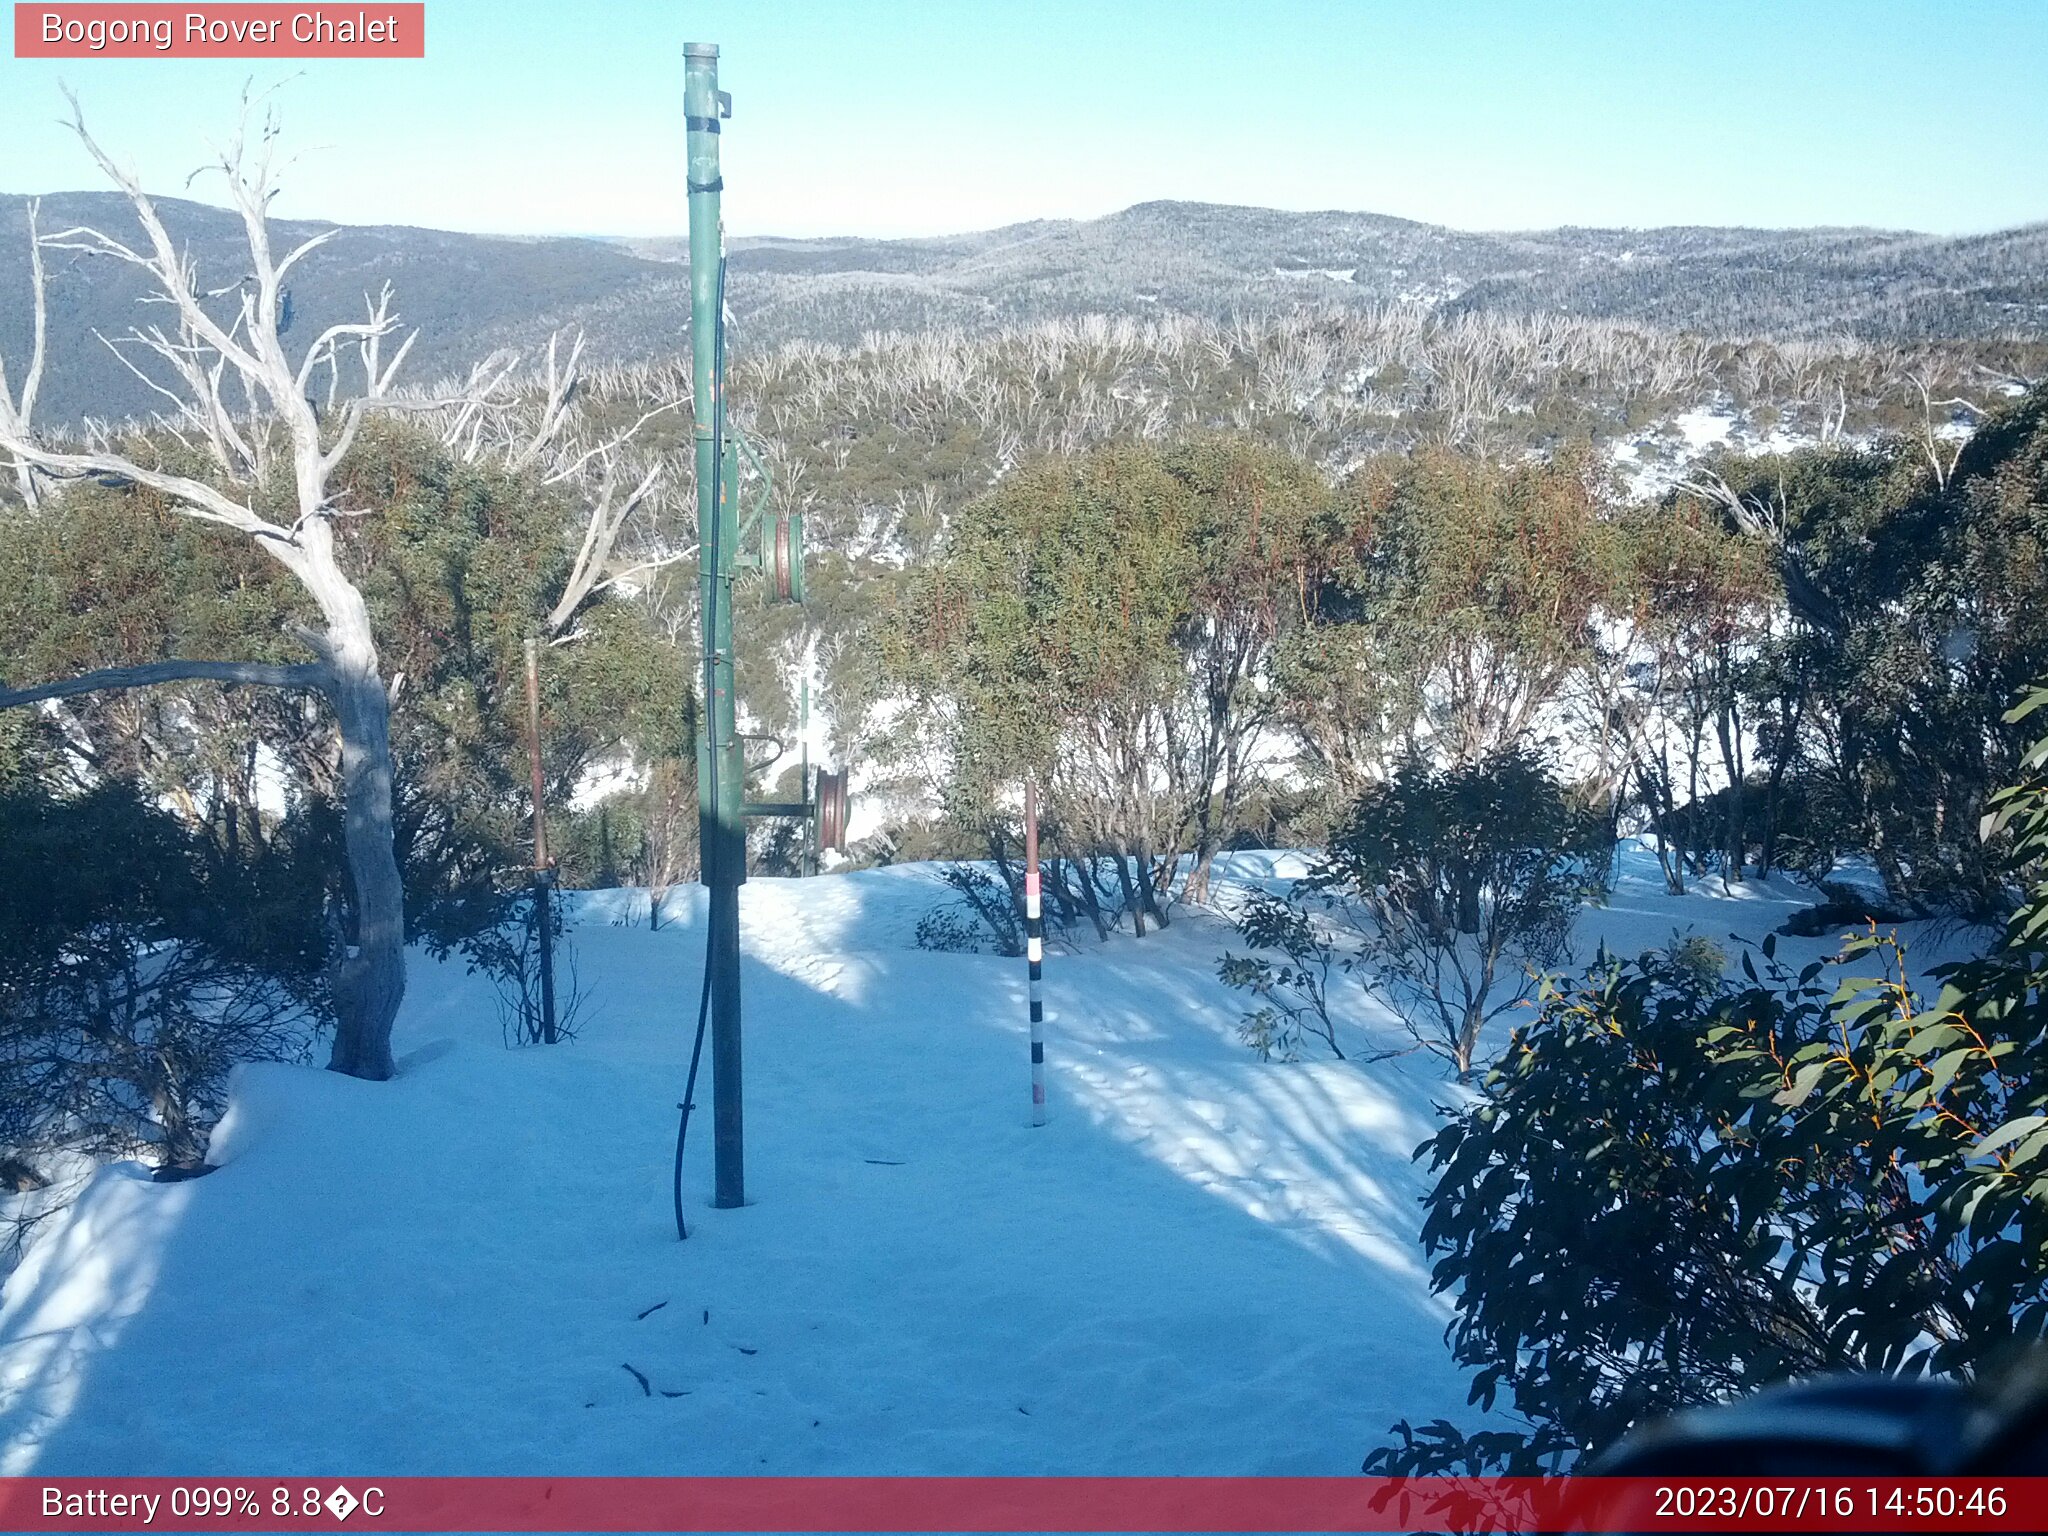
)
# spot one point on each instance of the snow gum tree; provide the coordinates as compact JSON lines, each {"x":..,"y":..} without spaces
{"x":1705,"y":597}
{"x":1105,"y":623}
{"x":1265,"y":538}
{"x":268,"y":472}
{"x":1488,"y":580}
{"x":1466,"y":607}
{"x":1913,"y":614}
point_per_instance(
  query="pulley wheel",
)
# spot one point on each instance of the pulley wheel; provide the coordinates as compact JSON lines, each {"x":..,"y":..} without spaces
{"x":782,"y":573}
{"x":832,"y":811}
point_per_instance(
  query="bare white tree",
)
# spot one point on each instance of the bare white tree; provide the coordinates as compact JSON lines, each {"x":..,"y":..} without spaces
{"x":1942,"y":455}
{"x":16,"y":411}
{"x":206,"y":357}
{"x":531,"y":424}
{"x":1769,"y":517}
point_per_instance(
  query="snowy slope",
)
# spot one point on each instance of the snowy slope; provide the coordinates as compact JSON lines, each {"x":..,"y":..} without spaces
{"x":1204,"y":1264}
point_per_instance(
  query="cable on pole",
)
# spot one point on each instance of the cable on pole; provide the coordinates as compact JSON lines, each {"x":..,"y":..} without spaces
{"x":690,"y":1087}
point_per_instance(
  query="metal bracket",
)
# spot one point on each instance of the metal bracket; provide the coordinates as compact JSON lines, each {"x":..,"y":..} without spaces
{"x":749,"y":548}
{"x":791,"y":810}
{"x":781,"y":751}
{"x":750,"y":527}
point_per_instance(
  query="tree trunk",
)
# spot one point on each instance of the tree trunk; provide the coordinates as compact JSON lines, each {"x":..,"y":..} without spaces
{"x":1773,"y":807}
{"x":1197,"y":889}
{"x":1055,"y":882}
{"x":1468,"y":1039}
{"x":1131,"y":902}
{"x":1728,"y":729}
{"x":1148,"y":885}
{"x":1655,"y":782}
{"x":1090,"y":897}
{"x":182,"y":1145}
{"x":1468,"y":902}
{"x":1207,"y":845}
{"x":1789,"y":711}
{"x":369,"y":980}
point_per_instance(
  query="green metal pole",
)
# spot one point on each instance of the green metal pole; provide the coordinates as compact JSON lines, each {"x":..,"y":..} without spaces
{"x":808,"y":861}
{"x":721,"y":768}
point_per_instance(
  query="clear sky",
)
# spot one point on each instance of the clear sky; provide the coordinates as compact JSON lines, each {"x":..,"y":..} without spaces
{"x":893,"y":117}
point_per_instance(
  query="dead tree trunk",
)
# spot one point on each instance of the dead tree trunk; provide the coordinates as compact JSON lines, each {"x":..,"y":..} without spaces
{"x":17,"y":411}
{"x":369,"y":980}
{"x":278,"y":430}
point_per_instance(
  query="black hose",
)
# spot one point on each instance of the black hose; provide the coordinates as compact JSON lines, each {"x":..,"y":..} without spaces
{"x":709,"y":686}
{"x":690,"y":1088}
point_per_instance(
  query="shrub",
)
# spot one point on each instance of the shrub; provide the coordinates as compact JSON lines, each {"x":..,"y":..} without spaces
{"x":1450,"y":889}
{"x":139,"y":961}
{"x":987,"y":912}
{"x":1673,"y":1189}
{"x":1295,"y":994}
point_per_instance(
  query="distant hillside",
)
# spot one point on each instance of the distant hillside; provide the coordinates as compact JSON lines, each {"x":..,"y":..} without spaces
{"x":1210,"y":259}
{"x":471,"y":294}
{"x":467,"y":294}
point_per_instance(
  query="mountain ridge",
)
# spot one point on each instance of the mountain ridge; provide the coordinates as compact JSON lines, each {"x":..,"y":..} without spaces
{"x":471,"y":294}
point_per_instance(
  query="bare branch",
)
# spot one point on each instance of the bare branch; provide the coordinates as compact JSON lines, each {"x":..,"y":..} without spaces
{"x":325,"y":346}
{"x":643,"y":566}
{"x":194,"y":498}
{"x":310,"y":676}
{"x":17,"y":412}
{"x":304,"y":248}
{"x":172,"y":271}
{"x":599,"y":534}
{"x":178,"y":401}
{"x":562,"y":379}
{"x":570,"y":469}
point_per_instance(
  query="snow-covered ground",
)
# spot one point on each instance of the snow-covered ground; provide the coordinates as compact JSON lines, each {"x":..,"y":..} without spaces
{"x":1650,"y":462}
{"x":1202,"y":1264}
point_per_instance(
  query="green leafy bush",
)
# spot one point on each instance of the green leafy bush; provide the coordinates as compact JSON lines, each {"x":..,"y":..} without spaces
{"x":139,"y":961}
{"x":1294,"y":994}
{"x":1450,"y":890}
{"x":1672,"y":1189}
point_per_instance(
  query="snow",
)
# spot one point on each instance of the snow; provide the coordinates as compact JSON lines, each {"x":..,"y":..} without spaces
{"x":1203,"y":1264}
{"x":1651,"y":461}
{"x":1704,"y":428}
{"x":608,"y":776}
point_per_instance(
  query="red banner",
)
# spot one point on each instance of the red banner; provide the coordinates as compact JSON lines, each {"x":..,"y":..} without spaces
{"x":1022,"y":1504}
{"x":373,"y":31}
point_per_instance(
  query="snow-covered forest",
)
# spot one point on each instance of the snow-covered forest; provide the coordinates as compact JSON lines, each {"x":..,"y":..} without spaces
{"x":1542,"y":841}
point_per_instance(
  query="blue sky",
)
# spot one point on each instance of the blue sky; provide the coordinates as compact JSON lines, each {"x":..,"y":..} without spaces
{"x":925,"y":116}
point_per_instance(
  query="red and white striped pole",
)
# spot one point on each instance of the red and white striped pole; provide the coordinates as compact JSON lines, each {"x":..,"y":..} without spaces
{"x":1034,"y":951}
